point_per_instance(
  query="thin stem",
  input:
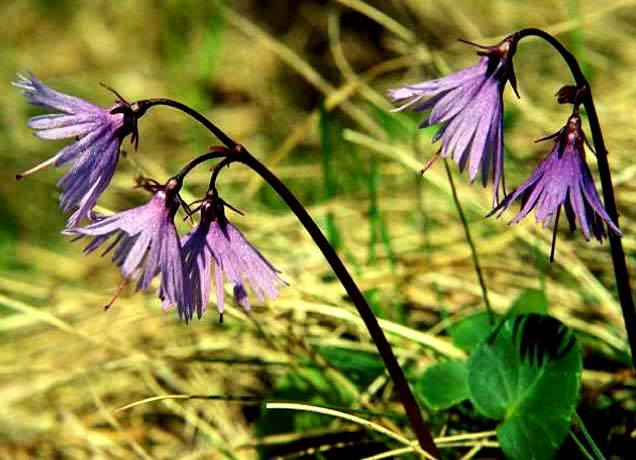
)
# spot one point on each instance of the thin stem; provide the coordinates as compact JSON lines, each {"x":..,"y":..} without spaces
{"x":240,"y":154}
{"x":581,"y":447}
{"x":384,"y":348}
{"x":224,"y":138}
{"x":471,"y":245}
{"x":216,"y":152}
{"x":217,"y":169}
{"x":588,"y":437}
{"x":616,"y":246}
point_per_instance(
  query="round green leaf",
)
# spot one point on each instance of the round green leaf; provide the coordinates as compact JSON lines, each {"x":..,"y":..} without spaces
{"x":529,"y":301}
{"x":443,"y":385}
{"x":528,"y":376}
{"x":470,"y":331}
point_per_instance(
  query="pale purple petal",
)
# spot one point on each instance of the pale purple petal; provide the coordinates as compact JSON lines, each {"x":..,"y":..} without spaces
{"x":41,"y":95}
{"x":432,"y":87}
{"x":198,"y":256}
{"x":563,"y":179}
{"x":218,"y":279}
{"x":60,"y":120}
{"x":468,"y":105}
{"x":92,"y":157}
{"x":217,"y":241}
{"x":146,"y":244}
{"x":64,"y":132}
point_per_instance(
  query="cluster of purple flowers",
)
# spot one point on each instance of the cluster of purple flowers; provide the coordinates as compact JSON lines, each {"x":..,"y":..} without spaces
{"x":469,"y":107}
{"x":144,"y":240}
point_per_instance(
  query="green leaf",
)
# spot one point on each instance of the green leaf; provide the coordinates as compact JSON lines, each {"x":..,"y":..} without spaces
{"x":528,"y":376}
{"x":443,"y":385}
{"x":469,"y":332}
{"x":530,"y":301}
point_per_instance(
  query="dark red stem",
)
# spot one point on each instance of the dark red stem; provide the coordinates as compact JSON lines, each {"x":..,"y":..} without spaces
{"x":384,"y":348}
{"x":220,"y":135}
{"x":240,"y":154}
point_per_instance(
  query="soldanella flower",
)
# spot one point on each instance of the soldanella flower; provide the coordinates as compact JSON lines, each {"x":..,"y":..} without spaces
{"x":563,"y":178}
{"x":145,"y":244}
{"x":468,"y":104}
{"x":93,"y":157}
{"x":215,"y":241}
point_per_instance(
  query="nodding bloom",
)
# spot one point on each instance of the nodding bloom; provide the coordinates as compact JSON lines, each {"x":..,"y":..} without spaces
{"x":147,"y":244}
{"x":216,"y":241}
{"x":93,"y":156}
{"x":469,"y":106}
{"x":563,"y":179}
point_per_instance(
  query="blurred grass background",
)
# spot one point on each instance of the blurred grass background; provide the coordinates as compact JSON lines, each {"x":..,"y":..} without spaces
{"x":302,"y":85}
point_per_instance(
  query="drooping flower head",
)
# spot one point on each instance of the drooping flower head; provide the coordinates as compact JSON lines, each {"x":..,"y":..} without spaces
{"x":468,"y":104}
{"x":93,"y":156}
{"x":563,"y":178}
{"x":146,"y":243}
{"x":216,"y":241}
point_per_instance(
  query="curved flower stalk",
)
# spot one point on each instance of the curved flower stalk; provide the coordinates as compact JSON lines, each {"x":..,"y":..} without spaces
{"x":216,"y":241}
{"x":147,"y":244}
{"x":93,"y":156}
{"x":563,"y":178}
{"x":469,"y":106}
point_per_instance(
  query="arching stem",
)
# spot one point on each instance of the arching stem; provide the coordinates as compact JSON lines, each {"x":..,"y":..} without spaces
{"x":220,"y":135}
{"x":238,"y":153}
{"x":616,"y":246}
{"x":384,"y":348}
{"x":214,"y":153}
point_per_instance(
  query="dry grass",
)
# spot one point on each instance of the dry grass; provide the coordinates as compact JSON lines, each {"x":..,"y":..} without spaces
{"x":66,"y":366}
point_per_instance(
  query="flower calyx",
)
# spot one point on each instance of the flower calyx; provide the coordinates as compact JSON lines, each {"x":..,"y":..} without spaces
{"x":132,"y":112}
{"x":170,"y":191}
{"x":501,"y":56}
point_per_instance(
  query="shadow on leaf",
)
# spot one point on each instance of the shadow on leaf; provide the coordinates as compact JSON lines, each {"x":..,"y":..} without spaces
{"x":541,"y":337}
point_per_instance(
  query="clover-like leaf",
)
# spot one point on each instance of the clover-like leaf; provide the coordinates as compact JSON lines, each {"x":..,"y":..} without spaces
{"x":529,"y":301}
{"x":528,"y":375}
{"x":443,"y":385}
{"x":470,"y":331}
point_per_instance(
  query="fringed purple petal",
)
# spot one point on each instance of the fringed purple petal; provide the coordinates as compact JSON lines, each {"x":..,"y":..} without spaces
{"x":92,"y":158}
{"x":86,"y":180}
{"x":225,"y":246}
{"x":63,"y":132}
{"x":146,"y":244}
{"x":175,"y":287}
{"x":41,"y":95}
{"x":218,"y":279}
{"x":594,"y":201}
{"x":564,"y":179}
{"x":468,"y":105}
{"x":454,"y":103}
{"x":198,"y":256}
{"x":59,"y":120}
{"x":97,"y":140}
{"x":432,"y":87}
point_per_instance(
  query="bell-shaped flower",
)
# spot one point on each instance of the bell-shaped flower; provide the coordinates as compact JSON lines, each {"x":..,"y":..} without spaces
{"x":145,"y":244}
{"x":215,"y":241}
{"x":93,"y":157}
{"x":563,"y":178}
{"x":469,"y":106}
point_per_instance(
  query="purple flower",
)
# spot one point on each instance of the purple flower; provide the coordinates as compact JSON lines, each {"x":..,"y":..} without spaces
{"x":215,"y":240}
{"x":469,"y":106}
{"x":147,"y":243}
{"x":93,"y":156}
{"x":563,"y":179}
